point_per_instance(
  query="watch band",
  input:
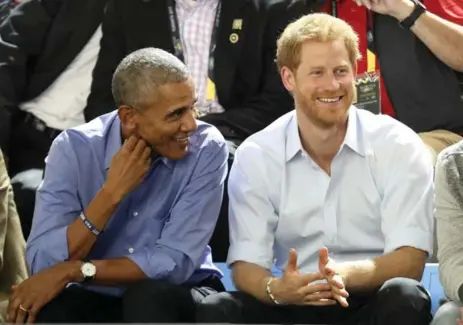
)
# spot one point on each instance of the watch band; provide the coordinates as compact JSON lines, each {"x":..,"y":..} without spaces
{"x":419,"y":9}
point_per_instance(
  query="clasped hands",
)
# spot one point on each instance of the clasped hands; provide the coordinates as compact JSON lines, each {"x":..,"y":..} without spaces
{"x":310,"y":289}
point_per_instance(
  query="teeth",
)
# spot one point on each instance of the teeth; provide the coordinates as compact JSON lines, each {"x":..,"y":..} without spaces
{"x":329,"y":100}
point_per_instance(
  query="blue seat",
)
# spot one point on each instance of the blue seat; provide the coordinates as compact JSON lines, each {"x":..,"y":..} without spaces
{"x":430,"y":281}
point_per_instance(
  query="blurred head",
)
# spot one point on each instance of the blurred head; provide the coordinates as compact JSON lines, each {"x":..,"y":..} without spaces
{"x":317,"y":58}
{"x":155,"y":97}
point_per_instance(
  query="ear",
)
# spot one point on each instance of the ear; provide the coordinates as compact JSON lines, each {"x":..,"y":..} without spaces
{"x":355,"y":69}
{"x":127,"y":117}
{"x":288,"y":79}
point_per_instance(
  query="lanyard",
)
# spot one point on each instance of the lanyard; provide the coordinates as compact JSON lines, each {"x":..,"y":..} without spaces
{"x":370,"y":35}
{"x":176,"y":40}
{"x":370,"y":31}
{"x":334,"y":8}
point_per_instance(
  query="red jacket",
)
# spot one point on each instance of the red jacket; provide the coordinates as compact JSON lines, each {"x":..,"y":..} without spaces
{"x":357,"y":18}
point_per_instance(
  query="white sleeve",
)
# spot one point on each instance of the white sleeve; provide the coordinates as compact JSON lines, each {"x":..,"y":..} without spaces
{"x":407,"y":207}
{"x":252,"y":216}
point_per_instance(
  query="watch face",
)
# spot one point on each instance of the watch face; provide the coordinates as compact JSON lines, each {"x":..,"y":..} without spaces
{"x":88,"y":269}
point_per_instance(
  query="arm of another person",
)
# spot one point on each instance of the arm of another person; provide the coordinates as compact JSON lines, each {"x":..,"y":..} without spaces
{"x":449,"y":220}
{"x":407,"y":211}
{"x":112,"y":51}
{"x":252,"y":221}
{"x":272,"y":101}
{"x":442,"y":37}
{"x":4,"y":207}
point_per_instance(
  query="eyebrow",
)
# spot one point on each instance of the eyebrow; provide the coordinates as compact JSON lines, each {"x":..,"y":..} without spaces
{"x":181,"y":109}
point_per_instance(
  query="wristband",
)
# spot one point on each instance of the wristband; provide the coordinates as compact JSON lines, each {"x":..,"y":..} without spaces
{"x":89,"y":225}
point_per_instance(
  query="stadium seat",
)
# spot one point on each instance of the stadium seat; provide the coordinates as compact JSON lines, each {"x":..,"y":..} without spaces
{"x":430,"y":281}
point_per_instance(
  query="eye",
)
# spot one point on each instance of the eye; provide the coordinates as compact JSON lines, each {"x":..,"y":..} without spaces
{"x":341,"y":71}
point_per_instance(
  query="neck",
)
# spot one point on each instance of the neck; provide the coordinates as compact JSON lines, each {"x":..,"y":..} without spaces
{"x":321,"y":143}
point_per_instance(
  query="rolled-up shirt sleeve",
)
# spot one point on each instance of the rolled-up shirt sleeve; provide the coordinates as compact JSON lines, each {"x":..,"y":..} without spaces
{"x":252,"y":216}
{"x":407,"y":207}
{"x":449,"y":219}
{"x":180,"y":249}
{"x":57,"y":206}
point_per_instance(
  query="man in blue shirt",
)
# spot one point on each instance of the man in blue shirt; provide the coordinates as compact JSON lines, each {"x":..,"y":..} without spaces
{"x":127,"y":206}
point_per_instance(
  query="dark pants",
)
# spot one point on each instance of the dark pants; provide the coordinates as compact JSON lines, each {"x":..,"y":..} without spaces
{"x":399,"y":302}
{"x":26,"y":160}
{"x":149,"y":301}
{"x":220,"y":238}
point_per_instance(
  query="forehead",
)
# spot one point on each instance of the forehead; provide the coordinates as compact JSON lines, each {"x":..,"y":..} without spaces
{"x":324,"y":53}
{"x":176,"y":95}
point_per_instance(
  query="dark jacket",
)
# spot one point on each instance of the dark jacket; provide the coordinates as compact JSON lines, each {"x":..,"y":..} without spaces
{"x":38,"y":41}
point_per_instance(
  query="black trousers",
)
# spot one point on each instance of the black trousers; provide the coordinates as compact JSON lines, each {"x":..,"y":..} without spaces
{"x":148,"y":301}
{"x":399,"y":302}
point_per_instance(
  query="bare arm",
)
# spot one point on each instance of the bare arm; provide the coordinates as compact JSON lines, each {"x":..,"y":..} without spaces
{"x":99,"y":211}
{"x":252,"y":279}
{"x":368,"y":275}
{"x":443,"y":38}
{"x":109,"y":272}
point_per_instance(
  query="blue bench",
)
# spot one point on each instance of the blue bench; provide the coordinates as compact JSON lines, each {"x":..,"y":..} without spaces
{"x":430,"y":281}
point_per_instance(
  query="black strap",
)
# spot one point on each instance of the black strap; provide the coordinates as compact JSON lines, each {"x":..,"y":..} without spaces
{"x":334,"y":8}
{"x":370,"y":35}
{"x":176,"y":40}
{"x":370,"y":31}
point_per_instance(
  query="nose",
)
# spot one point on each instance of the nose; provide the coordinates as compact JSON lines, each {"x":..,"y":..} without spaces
{"x":189,"y":123}
{"x":331,"y":83}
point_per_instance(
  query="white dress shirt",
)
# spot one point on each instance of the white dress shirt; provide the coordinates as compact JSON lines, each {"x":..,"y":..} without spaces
{"x":380,"y":195}
{"x":62,"y":105}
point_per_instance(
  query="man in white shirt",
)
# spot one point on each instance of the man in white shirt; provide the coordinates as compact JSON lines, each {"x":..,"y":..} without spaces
{"x":341,"y":200}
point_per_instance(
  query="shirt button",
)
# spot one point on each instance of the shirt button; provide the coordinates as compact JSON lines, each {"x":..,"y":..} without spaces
{"x":130,"y":250}
{"x":135,"y":214}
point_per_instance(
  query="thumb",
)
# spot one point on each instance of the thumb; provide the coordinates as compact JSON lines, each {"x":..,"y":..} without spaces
{"x":323,"y":259}
{"x":292,"y":261}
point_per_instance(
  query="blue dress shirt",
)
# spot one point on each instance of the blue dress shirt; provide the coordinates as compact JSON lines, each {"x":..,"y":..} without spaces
{"x":164,"y":225}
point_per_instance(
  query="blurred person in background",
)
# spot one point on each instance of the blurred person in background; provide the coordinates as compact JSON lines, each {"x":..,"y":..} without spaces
{"x":13,"y":268}
{"x":419,"y":45}
{"x":47,"y":54}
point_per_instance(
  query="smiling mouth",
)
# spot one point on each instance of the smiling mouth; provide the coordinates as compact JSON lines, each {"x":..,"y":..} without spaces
{"x":183,"y":140}
{"x":329,"y":100}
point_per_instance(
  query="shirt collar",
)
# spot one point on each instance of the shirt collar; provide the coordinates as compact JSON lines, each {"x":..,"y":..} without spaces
{"x":353,"y":139}
{"x":114,"y":143}
{"x":293,"y":140}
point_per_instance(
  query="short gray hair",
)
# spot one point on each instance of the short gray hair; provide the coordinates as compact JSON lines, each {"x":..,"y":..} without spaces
{"x":140,"y":73}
